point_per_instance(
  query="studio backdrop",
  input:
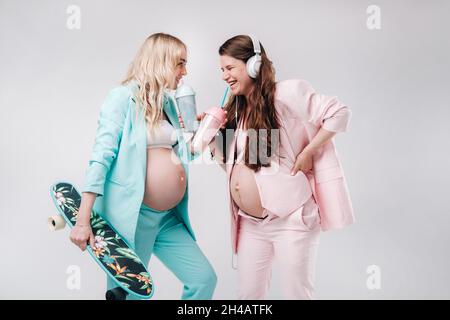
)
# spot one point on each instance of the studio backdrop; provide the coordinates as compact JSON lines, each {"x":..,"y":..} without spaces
{"x":388,"y":61}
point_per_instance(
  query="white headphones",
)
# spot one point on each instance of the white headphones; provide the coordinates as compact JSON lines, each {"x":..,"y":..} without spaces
{"x":254,"y":63}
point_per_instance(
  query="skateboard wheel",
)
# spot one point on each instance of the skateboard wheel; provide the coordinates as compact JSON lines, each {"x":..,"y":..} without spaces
{"x":56,"y":223}
{"x":116,"y":294}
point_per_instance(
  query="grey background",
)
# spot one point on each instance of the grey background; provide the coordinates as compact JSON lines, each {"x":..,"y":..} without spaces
{"x":395,"y":155}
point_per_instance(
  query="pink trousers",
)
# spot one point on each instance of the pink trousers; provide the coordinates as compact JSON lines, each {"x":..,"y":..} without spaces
{"x":292,"y":240}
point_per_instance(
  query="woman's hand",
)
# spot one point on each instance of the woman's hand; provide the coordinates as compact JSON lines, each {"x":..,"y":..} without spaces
{"x":81,"y":235}
{"x":303,"y":162}
{"x":82,"y":232}
{"x":201,"y":116}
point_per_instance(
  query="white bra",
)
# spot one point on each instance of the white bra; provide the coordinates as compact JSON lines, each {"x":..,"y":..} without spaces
{"x":162,"y":137}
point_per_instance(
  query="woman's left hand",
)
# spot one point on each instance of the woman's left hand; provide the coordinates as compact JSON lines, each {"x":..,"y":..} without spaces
{"x":303,"y":162}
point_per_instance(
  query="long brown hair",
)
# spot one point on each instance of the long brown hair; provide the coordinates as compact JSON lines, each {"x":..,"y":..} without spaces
{"x":263,"y":113}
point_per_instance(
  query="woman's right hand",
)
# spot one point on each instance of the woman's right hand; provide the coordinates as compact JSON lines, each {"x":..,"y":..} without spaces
{"x":201,"y":116}
{"x":81,"y":235}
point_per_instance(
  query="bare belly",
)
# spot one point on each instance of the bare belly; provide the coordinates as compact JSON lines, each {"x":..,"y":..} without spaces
{"x":165,"y":183}
{"x":244,"y":190}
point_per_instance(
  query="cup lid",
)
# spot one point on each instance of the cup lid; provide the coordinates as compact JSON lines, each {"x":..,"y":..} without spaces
{"x":184,"y":90}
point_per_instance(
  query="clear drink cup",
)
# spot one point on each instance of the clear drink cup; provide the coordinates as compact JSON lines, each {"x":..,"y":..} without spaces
{"x":185,"y":97}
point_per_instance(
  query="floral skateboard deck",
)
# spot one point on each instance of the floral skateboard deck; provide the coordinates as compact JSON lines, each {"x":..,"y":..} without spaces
{"x":111,"y":252}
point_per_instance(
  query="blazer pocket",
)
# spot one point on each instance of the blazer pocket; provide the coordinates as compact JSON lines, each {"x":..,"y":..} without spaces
{"x":324,"y":175}
{"x":309,"y":215}
{"x":116,"y":202}
{"x":114,"y":185}
{"x":334,"y":202}
{"x":115,"y":182}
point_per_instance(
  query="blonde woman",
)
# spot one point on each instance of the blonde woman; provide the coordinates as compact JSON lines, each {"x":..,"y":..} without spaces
{"x":137,"y":176}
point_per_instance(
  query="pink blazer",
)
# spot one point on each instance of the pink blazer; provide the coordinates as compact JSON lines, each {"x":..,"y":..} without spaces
{"x":302,"y":113}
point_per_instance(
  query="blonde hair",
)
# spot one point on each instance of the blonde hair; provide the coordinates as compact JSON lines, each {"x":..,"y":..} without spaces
{"x":153,"y":69}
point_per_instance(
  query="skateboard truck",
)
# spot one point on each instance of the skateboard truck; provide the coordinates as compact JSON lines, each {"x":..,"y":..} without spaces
{"x":116,"y":294}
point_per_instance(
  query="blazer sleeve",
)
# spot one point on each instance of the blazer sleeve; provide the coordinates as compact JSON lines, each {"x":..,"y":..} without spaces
{"x":109,"y":132}
{"x":320,"y":110}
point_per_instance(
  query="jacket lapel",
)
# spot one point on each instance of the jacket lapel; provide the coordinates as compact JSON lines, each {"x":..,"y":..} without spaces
{"x":284,"y":137}
{"x":169,"y":108}
{"x":229,"y":162}
{"x":140,"y":133}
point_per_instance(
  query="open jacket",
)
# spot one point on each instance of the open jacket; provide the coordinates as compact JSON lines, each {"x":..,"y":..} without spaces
{"x":118,"y":164}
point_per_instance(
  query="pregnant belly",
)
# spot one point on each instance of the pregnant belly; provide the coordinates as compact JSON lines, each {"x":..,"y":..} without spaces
{"x":165,"y":183}
{"x":244,"y":191}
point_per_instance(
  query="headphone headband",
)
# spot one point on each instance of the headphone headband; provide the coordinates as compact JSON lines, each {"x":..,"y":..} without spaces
{"x":256,"y":46}
{"x":254,"y":63}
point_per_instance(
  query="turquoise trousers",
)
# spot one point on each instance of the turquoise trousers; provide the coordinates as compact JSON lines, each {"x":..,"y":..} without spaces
{"x":163,"y":233}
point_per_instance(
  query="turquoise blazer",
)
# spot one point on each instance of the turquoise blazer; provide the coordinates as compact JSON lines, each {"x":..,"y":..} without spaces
{"x":118,"y":164}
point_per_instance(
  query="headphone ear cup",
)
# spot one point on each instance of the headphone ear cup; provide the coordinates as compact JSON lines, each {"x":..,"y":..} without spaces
{"x":253,"y":66}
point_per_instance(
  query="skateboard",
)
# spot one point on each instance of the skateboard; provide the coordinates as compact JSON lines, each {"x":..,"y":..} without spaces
{"x":112,"y":253}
